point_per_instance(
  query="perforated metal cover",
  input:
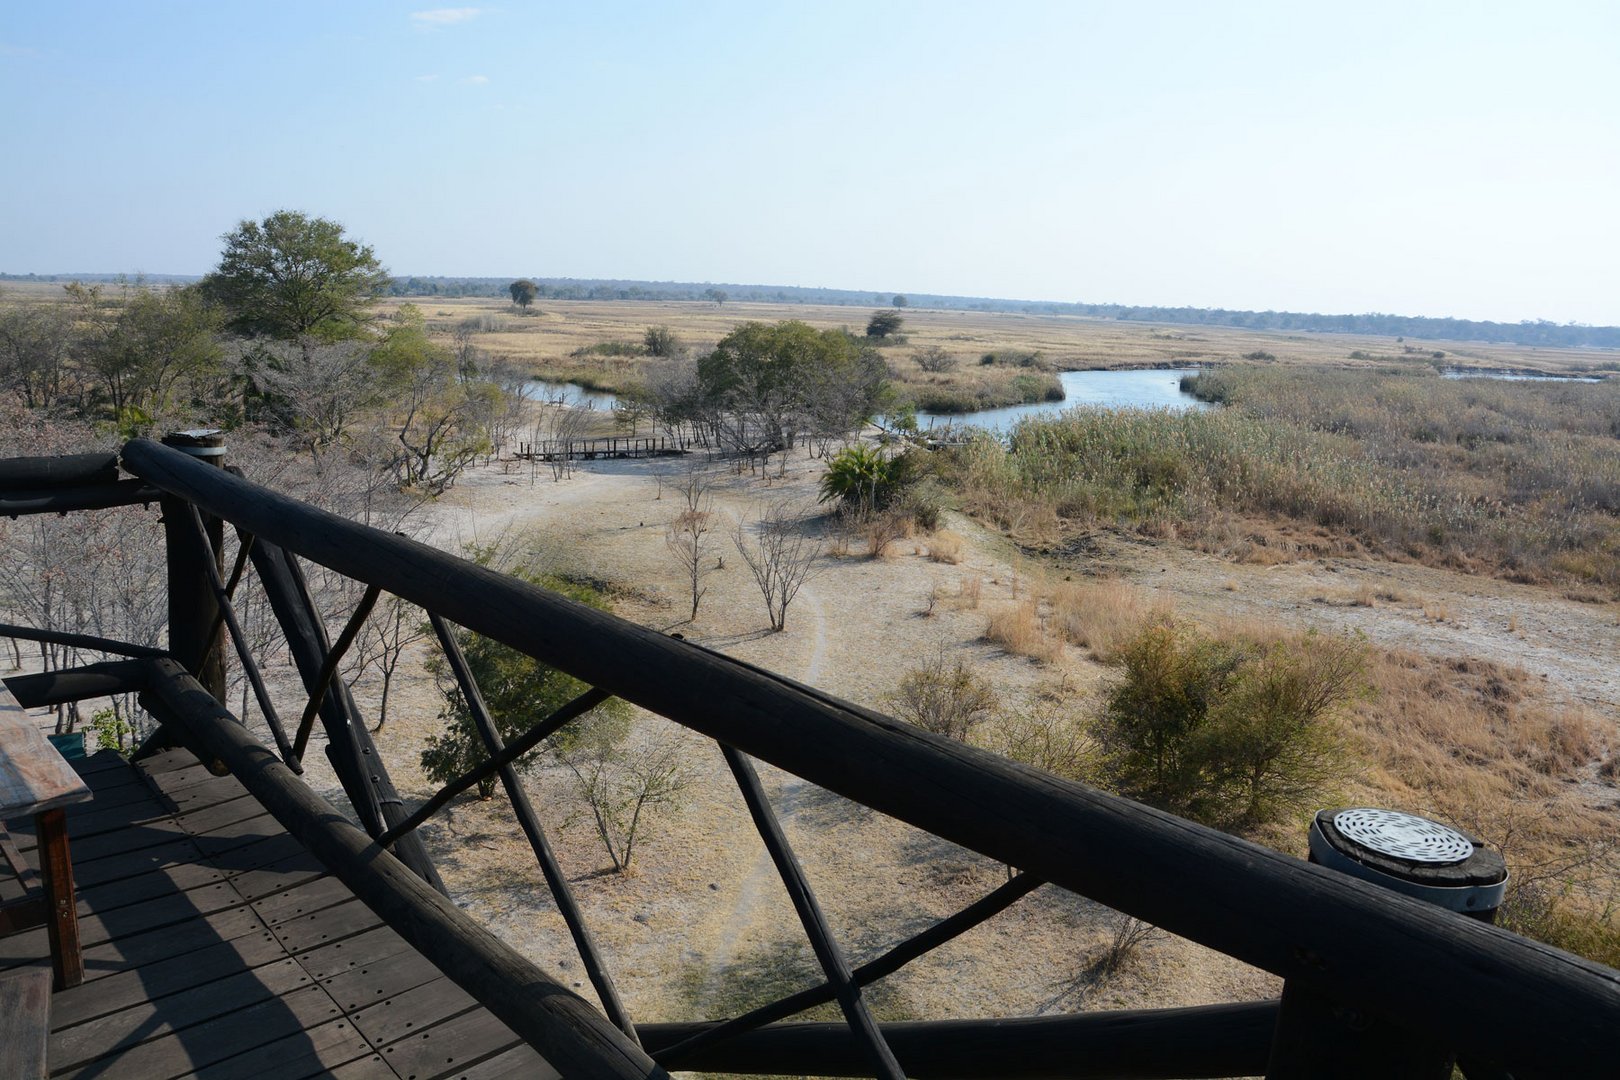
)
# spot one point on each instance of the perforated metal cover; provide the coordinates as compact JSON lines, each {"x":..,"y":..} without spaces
{"x":1403,"y":836}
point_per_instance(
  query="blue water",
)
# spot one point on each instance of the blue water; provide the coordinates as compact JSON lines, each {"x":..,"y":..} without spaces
{"x":569,"y":393}
{"x":1147,"y":388}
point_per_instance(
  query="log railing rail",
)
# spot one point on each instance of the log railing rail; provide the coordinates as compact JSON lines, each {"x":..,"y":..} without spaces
{"x":1507,"y":1004}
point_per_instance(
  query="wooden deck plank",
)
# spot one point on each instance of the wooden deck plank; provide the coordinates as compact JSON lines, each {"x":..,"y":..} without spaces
{"x":457,"y":1043}
{"x":287,"y":1017}
{"x":125,"y":989}
{"x":217,"y":946}
{"x":352,"y":953}
{"x":367,"y":1068}
{"x":401,"y":1015}
{"x":328,"y":925}
{"x":516,"y":1063}
{"x":311,"y":1053}
{"x":149,"y":1019}
{"x":100,"y":927}
{"x":301,"y":900}
{"x":370,"y":982}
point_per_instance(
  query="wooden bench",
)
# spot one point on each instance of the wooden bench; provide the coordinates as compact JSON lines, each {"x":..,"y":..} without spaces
{"x":36,"y":780}
{"x":25,"y":1023}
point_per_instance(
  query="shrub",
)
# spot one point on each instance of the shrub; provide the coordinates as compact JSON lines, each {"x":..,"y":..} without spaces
{"x":883,"y":324}
{"x":945,"y":699}
{"x":936,"y":360}
{"x":519,"y":692}
{"x":864,"y":477}
{"x":661,"y":341}
{"x":1228,"y":731}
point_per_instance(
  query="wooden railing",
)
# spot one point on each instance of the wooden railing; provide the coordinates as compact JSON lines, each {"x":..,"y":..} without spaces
{"x":1412,"y":984}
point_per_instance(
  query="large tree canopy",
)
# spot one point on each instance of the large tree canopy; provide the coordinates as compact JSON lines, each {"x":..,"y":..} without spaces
{"x":778,"y":380}
{"x":294,"y":276}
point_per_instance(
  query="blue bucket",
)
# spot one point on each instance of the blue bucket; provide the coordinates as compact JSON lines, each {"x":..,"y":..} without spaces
{"x":69,"y":744}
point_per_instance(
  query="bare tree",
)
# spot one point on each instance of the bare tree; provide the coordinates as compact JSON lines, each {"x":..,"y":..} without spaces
{"x":317,"y":390}
{"x":393,"y":628}
{"x":689,"y":536}
{"x":781,"y":555}
{"x":621,"y":779}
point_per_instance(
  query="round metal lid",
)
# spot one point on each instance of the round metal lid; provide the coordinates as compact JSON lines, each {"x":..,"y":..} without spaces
{"x":1403,"y":836}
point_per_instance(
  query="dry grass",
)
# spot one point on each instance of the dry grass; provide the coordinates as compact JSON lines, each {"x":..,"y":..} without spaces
{"x":968,"y":592}
{"x":1100,"y":616}
{"x":1017,"y":628}
{"x":1473,"y":742}
{"x":945,"y":546}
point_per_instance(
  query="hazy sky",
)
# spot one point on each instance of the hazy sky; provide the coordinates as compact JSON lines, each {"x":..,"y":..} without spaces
{"x":1434,"y":159}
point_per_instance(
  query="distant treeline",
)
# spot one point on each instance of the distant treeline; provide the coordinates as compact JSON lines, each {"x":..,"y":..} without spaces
{"x":1538,"y":332}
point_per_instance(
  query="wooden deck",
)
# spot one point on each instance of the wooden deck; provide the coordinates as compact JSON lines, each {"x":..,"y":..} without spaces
{"x":215,"y":946}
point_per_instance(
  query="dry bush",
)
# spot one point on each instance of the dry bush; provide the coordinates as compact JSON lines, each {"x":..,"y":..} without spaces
{"x":1017,"y":628}
{"x":1436,"y":611}
{"x":1100,"y":616}
{"x":968,"y":591}
{"x":883,"y":528}
{"x":945,"y":547}
{"x":1049,"y":733}
{"x":947,"y":699}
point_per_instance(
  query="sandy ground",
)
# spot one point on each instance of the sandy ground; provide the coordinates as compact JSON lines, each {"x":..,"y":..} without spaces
{"x":702,"y":927}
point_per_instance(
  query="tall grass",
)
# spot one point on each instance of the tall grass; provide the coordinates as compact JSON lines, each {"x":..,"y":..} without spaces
{"x":1522,"y":476}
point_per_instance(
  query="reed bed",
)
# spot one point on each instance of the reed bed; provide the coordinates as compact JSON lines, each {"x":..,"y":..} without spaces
{"x":1522,"y":477}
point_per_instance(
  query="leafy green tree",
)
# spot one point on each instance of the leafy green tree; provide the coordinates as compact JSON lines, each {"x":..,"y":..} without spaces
{"x":883,"y":323}
{"x":36,"y":341}
{"x":865,"y":478}
{"x":523,"y":292}
{"x":719,"y":296}
{"x":901,"y":301}
{"x":770,"y":381}
{"x":294,"y":276}
{"x":441,"y":418}
{"x":159,"y":350}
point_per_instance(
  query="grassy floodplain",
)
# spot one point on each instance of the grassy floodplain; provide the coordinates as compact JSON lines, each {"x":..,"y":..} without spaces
{"x":1520,"y":478}
{"x":598,"y":344}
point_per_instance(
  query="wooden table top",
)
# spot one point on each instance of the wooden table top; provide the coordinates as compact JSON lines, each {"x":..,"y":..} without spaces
{"x":34,"y":776}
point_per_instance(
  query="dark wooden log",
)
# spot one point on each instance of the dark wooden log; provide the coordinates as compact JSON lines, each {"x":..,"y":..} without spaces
{"x":78,"y":641}
{"x":250,"y":667}
{"x":529,"y":821}
{"x":1210,"y":1041}
{"x":68,"y":470}
{"x":329,"y":666}
{"x":193,"y":610}
{"x":360,"y":769}
{"x":1540,"y":1011}
{"x":17,"y":502}
{"x":902,"y":954}
{"x":530,"y":739}
{"x":822,"y":943}
{"x":564,"y":1028}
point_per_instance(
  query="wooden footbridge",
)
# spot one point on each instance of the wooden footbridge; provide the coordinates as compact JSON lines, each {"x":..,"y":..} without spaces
{"x":599,"y":449}
{"x":234,"y":923}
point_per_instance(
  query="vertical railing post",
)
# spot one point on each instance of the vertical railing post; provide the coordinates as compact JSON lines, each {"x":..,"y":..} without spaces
{"x":1327,"y":1039}
{"x":196,"y":639}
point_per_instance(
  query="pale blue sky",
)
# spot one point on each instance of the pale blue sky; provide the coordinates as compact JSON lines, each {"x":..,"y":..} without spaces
{"x":1432,"y":159}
